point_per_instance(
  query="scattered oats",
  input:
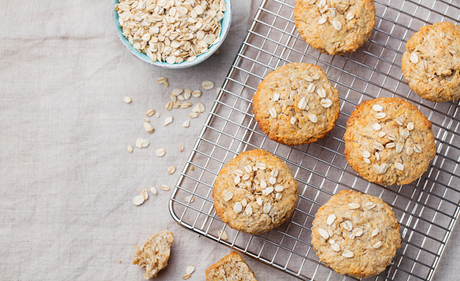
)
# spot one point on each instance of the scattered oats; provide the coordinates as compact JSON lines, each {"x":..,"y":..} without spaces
{"x":323,"y":233}
{"x":366,"y":160}
{"x":380,"y":115}
{"x":189,"y":199}
{"x":400,"y":120}
{"x":237,"y":180}
{"x":353,"y":206}
{"x":146,"y":120}
{"x":238,"y":207}
{"x":177,"y":104}
{"x":335,"y":247}
{"x":168,"y":120}
{"x":302,"y":103}
{"x":130,"y":148}
{"x":267,"y":207}
{"x":350,"y":16}
{"x":166,"y":84}
{"x":194,"y":115}
{"x":190,"y":269}
{"x":399,"y":147}
{"x":128,"y":100}
{"x":153,"y":190}
{"x":377,"y":107}
{"x":141,"y":143}
{"x":173,"y":99}
{"x":366,"y":154}
{"x":160,"y":152}
{"x":405,"y":133}
{"x":192,"y":167}
{"x":186,"y":105}
{"x":378,"y":146}
{"x":169,"y":105}
{"x":244,"y":202}
{"x":383,"y":169}
{"x":274,"y":172}
{"x":196,"y":93}
{"x":414,"y":58}
{"x":417,"y":148}
{"x":245,"y":177}
{"x":293,"y":120}
{"x":376,"y":126}
{"x":157,"y":115}
{"x":218,"y":90}
{"x":150,"y":113}
{"x":347,"y":254}
{"x":145,"y":194}
{"x":390,"y":145}
{"x":337,"y":24}
{"x":263,"y":184}
{"x":377,"y":245}
{"x":207,"y":85}
{"x":228,"y":196}
{"x":223,"y":235}
{"x":391,"y":137}
{"x":272,"y":180}
{"x":279,"y":188}
{"x":165,"y":187}
{"x":326,"y":103}
{"x":410,"y":126}
{"x":272,"y":112}
{"x":311,"y":88}
{"x":187,"y":94}
{"x":358,"y":232}
{"x":162,"y":80}
{"x":261,"y":166}
{"x":186,"y":124}
{"x":370,"y":205}
{"x":409,"y":150}
{"x":375,"y":232}
{"x":347,"y":225}
{"x":248,"y":168}
{"x":176,"y":92}
{"x":198,"y":108}
{"x":268,"y":190}
{"x":149,"y":128}
{"x":260,"y":201}
{"x":171,"y":169}
{"x":248,"y":210}
{"x":399,"y":166}
{"x":138,"y":200}
{"x":331,"y":219}
{"x":322,"y":20}
{"x":382,"y":134}
{"x":313,"y":118}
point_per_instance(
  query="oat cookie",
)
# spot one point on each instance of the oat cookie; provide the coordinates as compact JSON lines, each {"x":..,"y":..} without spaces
{"x":389,"y":141}
{"x":154,"y":255}
{"x":355,"y":234}
{"x":335,"y":26}
{"x":255,"y":192}
{"x":296,"y":104}
{"x":230,"y":268}
{"x":431,"y":62}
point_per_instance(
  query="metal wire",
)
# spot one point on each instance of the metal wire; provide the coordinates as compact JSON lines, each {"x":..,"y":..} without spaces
{"x":427,"y":209}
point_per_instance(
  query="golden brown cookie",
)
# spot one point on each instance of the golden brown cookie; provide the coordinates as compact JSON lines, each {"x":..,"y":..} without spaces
{"x":335,"y":27}
{"x":255,"y":192}
{"x":154,"y":255}
{"x":232,"y":267}
{"x":296,"y":104}
{"x":389,"y":141}
{"x":355,"y":234}
{"x":431,"y":62}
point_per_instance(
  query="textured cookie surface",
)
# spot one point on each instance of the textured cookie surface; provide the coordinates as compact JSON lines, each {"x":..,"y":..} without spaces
{"x":230,"y":268}
{"x":431,"y":62}
{"x":296,"y":104}
{"x":355,"y":234}
{"x":335,"y":27}
{"x":255,"y":192}
{"x":154,"y":254}
{"x":389,"y":141}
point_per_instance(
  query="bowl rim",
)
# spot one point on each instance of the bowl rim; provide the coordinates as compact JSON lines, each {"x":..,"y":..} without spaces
{"x":185,"y":64}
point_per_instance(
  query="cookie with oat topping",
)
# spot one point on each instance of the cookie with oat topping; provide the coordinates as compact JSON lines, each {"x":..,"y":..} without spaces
{"x":255,"y":192}
{"x":335,"y":26}
{"x":355,"y":234}
{"x":389,"y":141}
{"x":431,"y":62}
{"x":154,"y":254}
{"x":232,"y":267}
{"x":296,"y":104}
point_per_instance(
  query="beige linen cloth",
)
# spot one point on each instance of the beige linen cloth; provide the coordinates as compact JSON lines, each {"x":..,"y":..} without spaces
{"x":66,"y":178}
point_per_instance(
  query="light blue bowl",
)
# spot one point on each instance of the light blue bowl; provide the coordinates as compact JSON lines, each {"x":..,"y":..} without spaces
{"x":225,"y":27}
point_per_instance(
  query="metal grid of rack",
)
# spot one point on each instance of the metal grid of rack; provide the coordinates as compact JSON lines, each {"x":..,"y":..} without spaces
{"x":427,"y":209}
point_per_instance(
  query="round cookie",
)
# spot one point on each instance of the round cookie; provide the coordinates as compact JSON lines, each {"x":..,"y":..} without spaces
{"x":296,"y":104}
{"x":431,"y":62}
{"x":389,"y":141}
{"x":255,"y":192}
{"x":355,"y":234}
{"x":334,"y":27}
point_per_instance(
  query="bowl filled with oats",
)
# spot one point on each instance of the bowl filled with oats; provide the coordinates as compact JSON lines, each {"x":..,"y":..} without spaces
{"x":172,"y":33}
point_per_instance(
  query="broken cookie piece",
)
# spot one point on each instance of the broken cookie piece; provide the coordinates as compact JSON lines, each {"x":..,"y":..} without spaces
{"x":154,"y":254}
{"x":230,"y":268}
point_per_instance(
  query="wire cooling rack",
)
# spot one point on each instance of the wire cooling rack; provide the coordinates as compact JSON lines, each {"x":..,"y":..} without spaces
{"x":427,"y":209}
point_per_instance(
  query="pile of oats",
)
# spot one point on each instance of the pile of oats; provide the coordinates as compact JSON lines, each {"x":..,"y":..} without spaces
{"x":171,"y":30}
